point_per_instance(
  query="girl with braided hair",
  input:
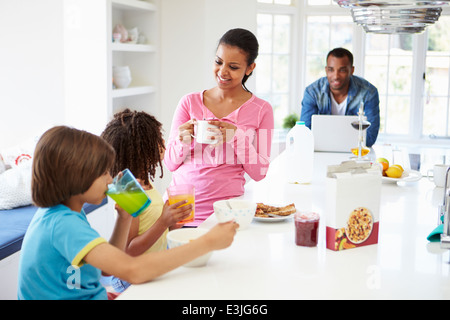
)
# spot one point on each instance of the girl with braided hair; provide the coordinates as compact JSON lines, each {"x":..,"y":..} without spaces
{"x":137,"y":140}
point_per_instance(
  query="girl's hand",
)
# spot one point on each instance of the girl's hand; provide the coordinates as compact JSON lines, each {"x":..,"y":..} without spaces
{"x":221,"y":236}
{"x":224,"y":133}
{"x":186,"y":131}
{"x":173,"y":213}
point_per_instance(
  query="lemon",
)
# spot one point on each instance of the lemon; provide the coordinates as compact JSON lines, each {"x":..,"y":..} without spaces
{"x":394,"y":172}
{"x":398,"y":166}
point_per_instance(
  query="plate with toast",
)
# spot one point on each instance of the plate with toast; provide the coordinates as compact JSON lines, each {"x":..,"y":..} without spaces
{"x":272,"y":213}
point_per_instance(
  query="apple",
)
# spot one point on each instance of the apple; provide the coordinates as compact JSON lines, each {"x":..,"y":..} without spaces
{"x":384,"y":162}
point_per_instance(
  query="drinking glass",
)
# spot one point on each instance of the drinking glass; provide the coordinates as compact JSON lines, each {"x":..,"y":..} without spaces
{"x":127,"y":192}
{"x":182,"y":192}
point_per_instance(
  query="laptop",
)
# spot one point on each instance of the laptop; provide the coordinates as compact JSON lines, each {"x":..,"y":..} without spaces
{"x":333,"y":133}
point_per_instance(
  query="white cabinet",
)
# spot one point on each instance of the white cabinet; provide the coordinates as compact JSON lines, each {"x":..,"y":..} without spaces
{"x":142,"y":57}
{"x":90,"y":54}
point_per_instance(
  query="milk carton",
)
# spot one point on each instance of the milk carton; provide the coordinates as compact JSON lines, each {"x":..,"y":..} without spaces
{"x":300,"y":153}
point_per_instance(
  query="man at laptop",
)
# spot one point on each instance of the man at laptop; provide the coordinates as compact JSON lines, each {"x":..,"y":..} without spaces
{"x":340,"y":93}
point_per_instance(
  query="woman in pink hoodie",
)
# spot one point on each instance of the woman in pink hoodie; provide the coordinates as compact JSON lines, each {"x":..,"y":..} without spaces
{"x":244,"y":134}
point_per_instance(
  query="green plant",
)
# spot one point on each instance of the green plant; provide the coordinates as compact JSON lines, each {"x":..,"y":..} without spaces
{"x":290,"y":120}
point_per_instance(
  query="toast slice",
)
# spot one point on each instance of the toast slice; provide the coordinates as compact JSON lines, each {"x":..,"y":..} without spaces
{"x":263,"y":210}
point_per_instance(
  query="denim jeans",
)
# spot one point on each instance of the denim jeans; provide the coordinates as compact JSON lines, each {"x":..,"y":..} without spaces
{"x":117,"y":284}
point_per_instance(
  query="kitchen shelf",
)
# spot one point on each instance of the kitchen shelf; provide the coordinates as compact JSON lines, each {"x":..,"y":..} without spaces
{"x":133,"y":5}
{"x":142,"y":59}
{"x":132,"y":91}
{"x":126,"y":47}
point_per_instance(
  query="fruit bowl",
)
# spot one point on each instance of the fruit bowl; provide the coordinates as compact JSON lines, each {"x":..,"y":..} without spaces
{"x":407,"y":176}
{"x":393,"y":172}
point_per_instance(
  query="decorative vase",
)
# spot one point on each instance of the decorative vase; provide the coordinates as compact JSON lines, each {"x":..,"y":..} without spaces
{"x":121,"y":76}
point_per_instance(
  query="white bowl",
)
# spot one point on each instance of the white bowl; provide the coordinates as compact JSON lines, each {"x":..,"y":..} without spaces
{"x":242,"y":211}
{"x":179,"y":237}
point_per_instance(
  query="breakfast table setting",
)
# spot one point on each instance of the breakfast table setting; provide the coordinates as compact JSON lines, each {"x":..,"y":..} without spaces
{"x":265,"y":261}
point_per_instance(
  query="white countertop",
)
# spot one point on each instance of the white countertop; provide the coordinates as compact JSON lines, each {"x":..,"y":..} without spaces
{"x":264,"y":262}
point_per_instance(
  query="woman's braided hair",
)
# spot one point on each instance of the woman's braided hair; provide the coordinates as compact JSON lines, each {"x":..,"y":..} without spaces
{"x":137,"y":139}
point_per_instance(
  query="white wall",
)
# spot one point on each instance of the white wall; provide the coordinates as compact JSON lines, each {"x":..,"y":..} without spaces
{"x":190,"y":31}
{"x":86,"y":64}
{"x":49,"y":49}
{"x":31,"y":63}
{"x":221,"y":16}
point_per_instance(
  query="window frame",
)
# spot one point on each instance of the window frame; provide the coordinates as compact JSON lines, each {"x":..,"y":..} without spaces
{"x":300,"y":10}
{"x":277,"y":9}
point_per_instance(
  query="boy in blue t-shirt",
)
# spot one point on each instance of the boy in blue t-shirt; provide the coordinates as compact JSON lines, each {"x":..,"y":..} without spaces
{"x":60,"y":239}
{"x":62,"y":257}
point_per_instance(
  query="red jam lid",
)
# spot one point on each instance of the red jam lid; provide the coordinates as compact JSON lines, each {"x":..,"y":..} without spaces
{"x":306,"y":216}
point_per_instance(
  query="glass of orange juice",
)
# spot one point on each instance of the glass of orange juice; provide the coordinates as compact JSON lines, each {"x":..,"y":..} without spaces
{"x":182,"y":192}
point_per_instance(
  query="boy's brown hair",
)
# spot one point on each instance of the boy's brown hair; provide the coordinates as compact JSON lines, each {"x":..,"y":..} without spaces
{"x":137,"y":139}
{"x":66,"y":162}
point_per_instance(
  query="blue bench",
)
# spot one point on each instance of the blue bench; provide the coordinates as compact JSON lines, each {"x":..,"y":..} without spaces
{"x":14,"y":224}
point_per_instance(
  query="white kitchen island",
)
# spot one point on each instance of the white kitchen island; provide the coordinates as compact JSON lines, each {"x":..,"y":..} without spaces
{"x":264,"y":262}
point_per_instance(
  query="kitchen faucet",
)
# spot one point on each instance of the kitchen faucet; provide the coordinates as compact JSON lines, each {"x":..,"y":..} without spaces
{"x":444,"y":213}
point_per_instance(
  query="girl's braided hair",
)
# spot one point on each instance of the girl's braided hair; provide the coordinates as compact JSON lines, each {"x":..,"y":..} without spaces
{"x":137,"y":139}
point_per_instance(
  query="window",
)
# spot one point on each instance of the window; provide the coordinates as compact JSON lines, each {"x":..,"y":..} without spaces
{"x":411,"y":72}
{"x":273,"y":82}
{"x":319,"y":2}
{"x":388,"y":66}
{"x":324,"y":33}
{"x":282,"y":2}
{"x":436,"y":112}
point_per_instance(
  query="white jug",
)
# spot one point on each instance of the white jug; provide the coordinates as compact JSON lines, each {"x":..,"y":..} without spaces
{"x":300,"y":154}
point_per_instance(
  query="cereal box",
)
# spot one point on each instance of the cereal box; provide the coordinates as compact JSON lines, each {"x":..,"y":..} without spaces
{"x":353,"y":192}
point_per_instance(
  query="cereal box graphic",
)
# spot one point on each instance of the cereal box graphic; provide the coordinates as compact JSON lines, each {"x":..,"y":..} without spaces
{"x":353,"y":193}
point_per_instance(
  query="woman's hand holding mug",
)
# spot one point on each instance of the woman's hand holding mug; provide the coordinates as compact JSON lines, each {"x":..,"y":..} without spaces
{"x":211,"y":132}
{"x":224,"y":132}
{"x":186,"y":131}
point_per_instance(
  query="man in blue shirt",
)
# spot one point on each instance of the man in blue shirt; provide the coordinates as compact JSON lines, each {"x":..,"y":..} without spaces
{"x":341,"y":93}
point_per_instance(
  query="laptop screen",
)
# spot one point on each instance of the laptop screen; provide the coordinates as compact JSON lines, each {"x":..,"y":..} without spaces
{"x":334,"y":133}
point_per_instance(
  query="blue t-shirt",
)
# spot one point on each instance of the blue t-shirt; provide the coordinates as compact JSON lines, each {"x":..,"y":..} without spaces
{"x":51,"y":261}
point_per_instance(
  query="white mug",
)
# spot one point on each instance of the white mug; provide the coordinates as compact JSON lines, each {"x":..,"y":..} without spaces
{"x":202,"y":135}
{"x":439,"y":173}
